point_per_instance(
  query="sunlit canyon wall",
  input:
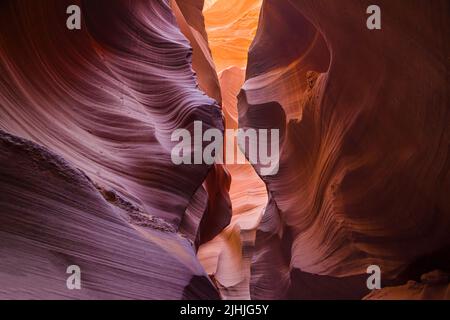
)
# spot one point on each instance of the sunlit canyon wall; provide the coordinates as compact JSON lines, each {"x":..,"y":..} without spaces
{"x":86,"y":176}
{"x":364,"y":168}
{"x":231,"y":27}
{"x":86,"y":173}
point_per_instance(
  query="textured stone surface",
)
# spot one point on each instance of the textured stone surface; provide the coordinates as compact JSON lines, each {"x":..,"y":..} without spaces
{"x":86,"y":176}
{"x":106,"y":100}
{"x":364,"y":170}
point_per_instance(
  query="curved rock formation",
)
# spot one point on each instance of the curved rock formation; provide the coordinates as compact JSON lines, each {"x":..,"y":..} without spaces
{"x":86,"y":176}
{"x":106,"y":99}
{"x":231,"y":26}
{"x":190,"y":19}
{"x":53,"y":217}
{"x":210,"y":211}
{"x":228,"y":256}
{"x":364,"y":168}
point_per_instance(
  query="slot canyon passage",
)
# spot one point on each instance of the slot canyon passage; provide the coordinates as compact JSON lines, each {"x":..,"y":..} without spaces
{"x":86,"y":176}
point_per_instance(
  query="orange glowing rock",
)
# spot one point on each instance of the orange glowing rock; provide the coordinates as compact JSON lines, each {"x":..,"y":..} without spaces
{"x":231,"y":27}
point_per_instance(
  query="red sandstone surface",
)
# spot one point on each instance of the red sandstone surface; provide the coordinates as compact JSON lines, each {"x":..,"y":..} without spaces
{"x":86,"y":176}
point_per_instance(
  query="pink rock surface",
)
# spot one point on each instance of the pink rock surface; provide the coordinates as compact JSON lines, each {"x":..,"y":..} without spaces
{"x":190,"y":19}
{"x":364,"y":115}
{"x":211,"y":211}
{"x":227,"y":257}
{"x":106,"y":99}
{"x":52,"y":217}
{"x":86,"y":176}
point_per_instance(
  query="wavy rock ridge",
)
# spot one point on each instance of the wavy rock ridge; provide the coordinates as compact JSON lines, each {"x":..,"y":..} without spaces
{"x":86,"y":175}
{"x":364,"y":170}
{"x":231,"y":26}
{"x":106,"y":100}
